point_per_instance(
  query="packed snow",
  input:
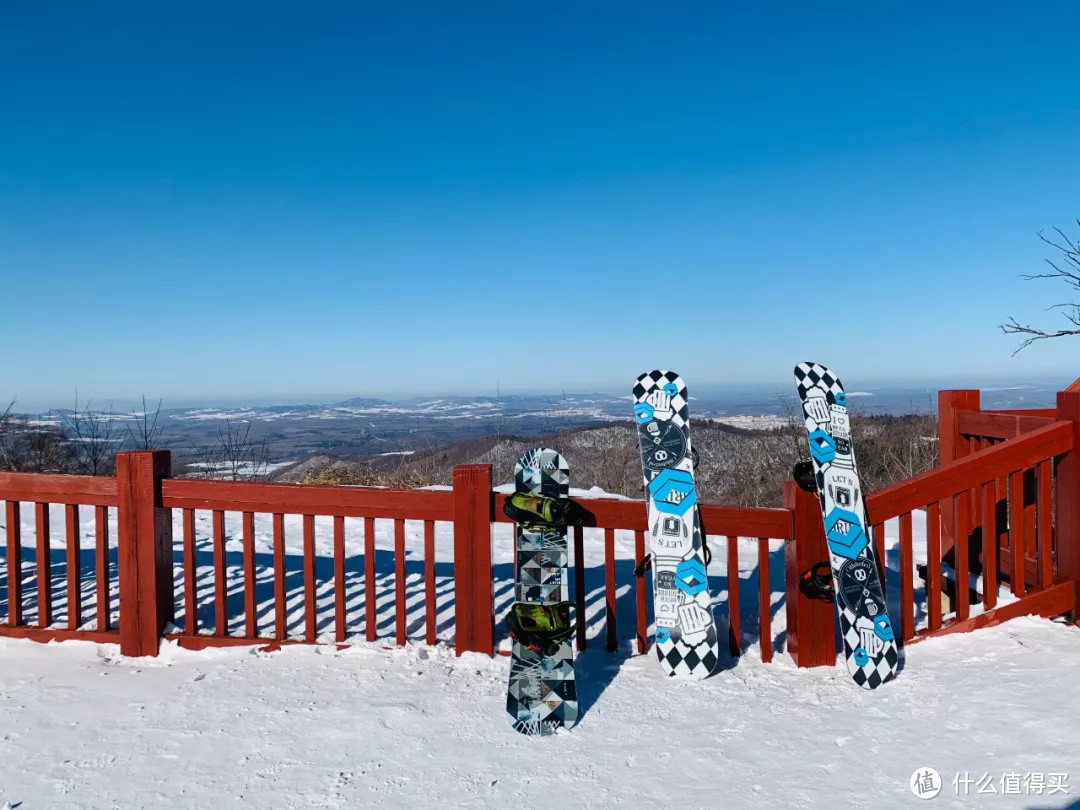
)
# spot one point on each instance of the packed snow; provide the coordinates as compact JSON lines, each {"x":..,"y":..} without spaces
{"x":375,"y":725}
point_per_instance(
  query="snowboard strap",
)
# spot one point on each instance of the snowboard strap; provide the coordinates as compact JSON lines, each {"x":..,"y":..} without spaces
{"x":816,"y":582}
{"x":645,"y":563}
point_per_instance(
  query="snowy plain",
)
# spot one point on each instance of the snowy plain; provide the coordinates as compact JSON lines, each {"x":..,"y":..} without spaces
{"x":375,"y":725}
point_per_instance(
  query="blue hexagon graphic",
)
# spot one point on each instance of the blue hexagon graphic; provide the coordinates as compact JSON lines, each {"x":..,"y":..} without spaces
{"x":671,"y":389}
{"x":822,"y":447}
{"x":883,"y":628}
{"x":691,"y":577}
{"x":643,"y":412}
{"x":840,"y":398}
{"x":845,"y":534}
{"x":861,"y":657}
{"x":673,"y":491}
{"x":663,"y":635}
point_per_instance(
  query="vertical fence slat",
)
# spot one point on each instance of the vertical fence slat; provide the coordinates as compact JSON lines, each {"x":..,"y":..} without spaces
{"x":339,"y":578}
{"x":1043,"y":552}
{"x":191,"y":576}
{"x":1031,"y":499}
{"x":74,"y":569}
{"x":310,"y":630}
{"x":611,"y":631}
{"x":640,"y":612}
{"x":961,"y":545}
{"x":1016,"y":531}
{"x":431,"y":612}
{"x":101,"y":567}
{"x":44,"y":569}
{"x":907,"y":585}
{"x":734,"y":628}
{"x":990,"y":544}
{"x":251,"y":627}
{"x":933,"y":565}
{"x":280,"y":618}
{"x":371,"y":616}
{"x":579,"y":588}
{"x":221,"y":616}
{"x":399,"y":580}
{"x":764,"y":600}
{"x":14,"y":563}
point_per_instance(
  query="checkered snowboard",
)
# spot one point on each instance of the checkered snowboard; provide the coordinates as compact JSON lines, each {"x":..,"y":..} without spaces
{"x":541,"y":695}
{"x":686,"y":642}
{"x":869,"y":646}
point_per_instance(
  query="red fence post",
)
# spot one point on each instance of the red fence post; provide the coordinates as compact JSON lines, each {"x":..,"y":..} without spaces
{"x":811,"y":636}
{"x":951,"y":447}
{"x":1067,"y":497}
{"x":144,"y":540}
{"x":474,"y":612}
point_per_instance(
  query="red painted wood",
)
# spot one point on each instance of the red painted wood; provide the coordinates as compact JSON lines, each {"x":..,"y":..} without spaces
{"x":1016,"y":531}
{"x":907,"y":585}
{"x":998,"y":425}
{"x":640,"y":601}
{"x":43,"y":565}
{"x":944,"y":482}
{"x":307,"y":499}
{"x":933,"y":566}
{"x":221,"y":615}
{"x":144,"y":550}
{"x":732,"y":569}
{"x":371,"y":626}
{"x":399,"y":581}
{"x":963,"y":534}
{"x":764,"y":602}
{"x":101,"y":568}
{"x":14,"y":563}
{"x":951,"y":447}
{"x":280,"y":629}
{"x":1031,"y":524}
{"x":1067,"y":500}
{"x":611,"y":633}
{"x":250,"y":618}
{"x":472,"y":498}
{"x":1045,"y":412}
{"x":811,"y":636}
{"x":340,"y":629}
{"x":74,"y":569}
{"x":310,"y":629}
{"x":1053,"y":601}
{"x":989,"y":509}
{"x":191,"y":586}
{"x":431,"y":612}
{"x":716,"y":520}
{"x":1043,"y":551}
{"x":87,"y":490}
{"x":877,"y":532}
{"x":44,"y":636}
{"x":579,"y":589}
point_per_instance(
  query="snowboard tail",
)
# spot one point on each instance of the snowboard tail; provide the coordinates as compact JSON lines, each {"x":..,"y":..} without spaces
{"x":870,"y":649}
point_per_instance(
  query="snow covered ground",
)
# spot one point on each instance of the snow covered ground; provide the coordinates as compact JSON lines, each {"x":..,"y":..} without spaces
{"x":376,"y":725}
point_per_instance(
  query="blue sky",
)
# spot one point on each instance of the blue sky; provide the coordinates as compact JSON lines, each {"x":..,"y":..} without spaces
{"x":274,"y":199}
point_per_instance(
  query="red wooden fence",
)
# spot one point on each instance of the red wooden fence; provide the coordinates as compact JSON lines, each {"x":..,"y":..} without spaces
{"x":1008,"y":489}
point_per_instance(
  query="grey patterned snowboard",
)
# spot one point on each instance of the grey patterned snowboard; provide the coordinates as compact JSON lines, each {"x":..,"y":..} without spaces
{"x":686,"y":642}
{"x":869,"y":646}
{"x":542,"y":693}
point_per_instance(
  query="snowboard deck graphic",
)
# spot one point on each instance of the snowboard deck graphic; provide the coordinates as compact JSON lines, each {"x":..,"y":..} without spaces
{"x":686,"y":643}
{"x":541,"y":693}
{"x":869,"y":645}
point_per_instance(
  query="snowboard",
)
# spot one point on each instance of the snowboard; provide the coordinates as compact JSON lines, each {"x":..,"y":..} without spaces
{"x":686,"y":643}
{"x":869,"y":645}
{"x":541,"y":695}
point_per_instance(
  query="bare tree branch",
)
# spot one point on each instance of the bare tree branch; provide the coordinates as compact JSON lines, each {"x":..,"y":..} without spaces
{"x":144,"y":432}
{"x":1067,"y":269}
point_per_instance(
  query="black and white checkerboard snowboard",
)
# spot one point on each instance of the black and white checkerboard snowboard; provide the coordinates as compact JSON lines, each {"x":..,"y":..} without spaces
{"x":541,"y":694}
{"x":869,"y":646}
{"x":686,"y":642}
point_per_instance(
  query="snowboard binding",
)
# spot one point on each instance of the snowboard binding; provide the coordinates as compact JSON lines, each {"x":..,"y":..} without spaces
{"x":541,"y":628}
{"x":645,"y":563}
{"x":816,"y":582}
{"x":526,"y":509}
{"x":803,"y":473}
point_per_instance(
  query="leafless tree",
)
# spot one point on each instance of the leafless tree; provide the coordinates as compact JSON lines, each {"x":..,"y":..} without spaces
{"x":91,"y":440}
{"x":7,"y":439}
{"x":43,"y":448}
{"x":1067,"y":268}
{"x":236,"y":455}
{"x":146,"y":429}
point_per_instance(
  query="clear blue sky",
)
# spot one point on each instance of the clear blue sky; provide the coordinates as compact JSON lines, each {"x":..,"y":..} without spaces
{"x":217,"y":200}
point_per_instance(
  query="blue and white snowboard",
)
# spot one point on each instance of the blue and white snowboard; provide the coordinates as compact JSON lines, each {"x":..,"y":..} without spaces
{"x":541,"y":694}
{"x":869,"y":645}
{"x":686,"y":642}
